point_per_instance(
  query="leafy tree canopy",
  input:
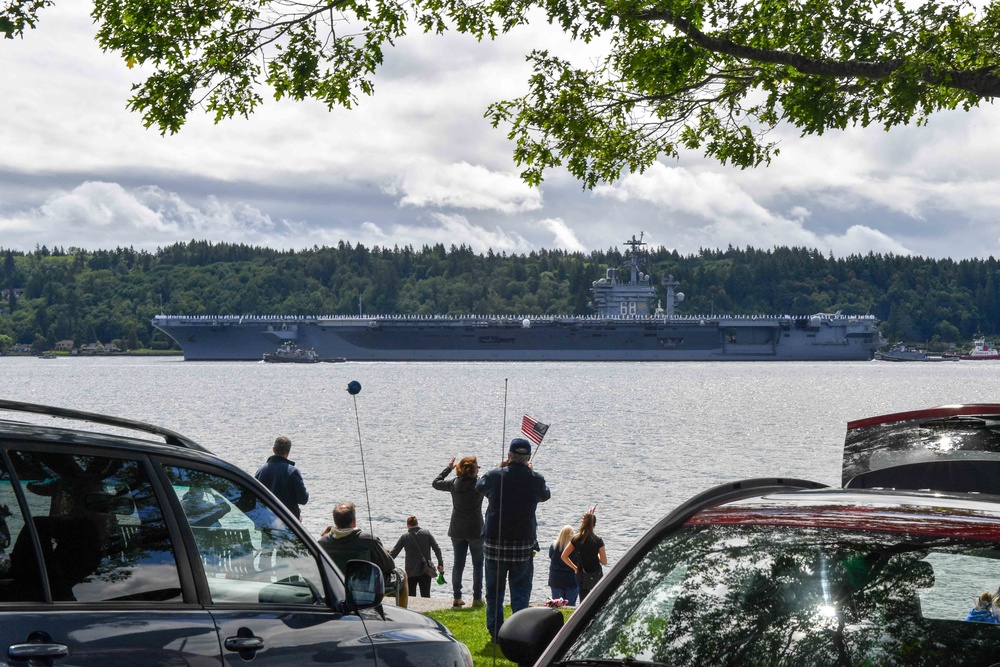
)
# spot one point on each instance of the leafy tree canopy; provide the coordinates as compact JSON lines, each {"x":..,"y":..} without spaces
{"x":17,"y":15}
{"x":709,"y":75}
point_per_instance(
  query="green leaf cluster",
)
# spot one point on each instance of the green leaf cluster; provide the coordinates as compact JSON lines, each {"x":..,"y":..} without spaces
{"x":16,"y":15}
{"x":715,"y":76}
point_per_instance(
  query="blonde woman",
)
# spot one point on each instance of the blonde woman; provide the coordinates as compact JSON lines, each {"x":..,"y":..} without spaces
{"x":981,"y":612}
{"x":562,"y":579}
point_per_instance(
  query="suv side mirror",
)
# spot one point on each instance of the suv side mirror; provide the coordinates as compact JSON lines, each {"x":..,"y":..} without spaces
{"x":365,"y":585}
{"x":525,"y":635}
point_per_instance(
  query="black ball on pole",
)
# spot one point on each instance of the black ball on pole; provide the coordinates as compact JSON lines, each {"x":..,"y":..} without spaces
{"x":353,"y":387}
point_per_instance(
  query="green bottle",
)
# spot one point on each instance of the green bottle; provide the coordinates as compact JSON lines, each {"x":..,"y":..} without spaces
{"x":441,"y":577}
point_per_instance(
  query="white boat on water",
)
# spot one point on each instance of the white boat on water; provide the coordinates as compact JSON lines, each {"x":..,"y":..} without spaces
{"x":982,"y":351}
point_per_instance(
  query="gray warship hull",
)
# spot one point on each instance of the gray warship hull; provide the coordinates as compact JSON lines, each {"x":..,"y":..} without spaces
{"x":626,"y":328}
{"x":811,"y":338}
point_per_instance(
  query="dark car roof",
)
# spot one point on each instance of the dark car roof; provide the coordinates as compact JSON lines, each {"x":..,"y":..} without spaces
{"x":167,"y":437}
{"x":79,"y":433}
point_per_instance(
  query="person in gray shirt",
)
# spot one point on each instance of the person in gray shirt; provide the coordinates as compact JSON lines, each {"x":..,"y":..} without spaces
{"x":418,"y":544}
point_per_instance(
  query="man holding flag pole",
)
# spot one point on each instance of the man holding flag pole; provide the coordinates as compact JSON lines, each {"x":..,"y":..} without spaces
{"x":513,"y":491}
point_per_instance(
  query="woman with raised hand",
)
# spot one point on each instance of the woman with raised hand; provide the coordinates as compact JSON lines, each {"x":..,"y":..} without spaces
{"x":589,"y":548}
{"x":466,"y":526}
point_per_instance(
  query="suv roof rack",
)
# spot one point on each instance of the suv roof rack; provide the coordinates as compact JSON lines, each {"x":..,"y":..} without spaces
{"x":171,"y":437}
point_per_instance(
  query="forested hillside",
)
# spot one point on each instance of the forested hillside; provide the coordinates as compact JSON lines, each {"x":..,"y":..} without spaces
{"x":111,"y":295}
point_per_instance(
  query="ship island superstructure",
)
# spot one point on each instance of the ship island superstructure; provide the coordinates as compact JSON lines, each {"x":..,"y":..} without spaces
{"x":626,"y":326}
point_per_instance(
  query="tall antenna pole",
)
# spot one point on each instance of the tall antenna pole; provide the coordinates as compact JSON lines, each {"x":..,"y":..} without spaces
{"x":354,"y":388}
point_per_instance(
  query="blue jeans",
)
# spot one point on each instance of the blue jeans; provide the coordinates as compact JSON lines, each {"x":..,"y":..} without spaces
{"x":568,"y":594}
{"x":475,"y":549}
{"x":498,"y":573}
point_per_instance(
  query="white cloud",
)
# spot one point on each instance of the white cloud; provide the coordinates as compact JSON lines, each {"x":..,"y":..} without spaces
{"x":860,"y":240}
{"x":449,"y":230}
{"x":563,"y":236}
{"x":720,"y":213}
{"x":463,"y":185}
{"x":99,"y":215}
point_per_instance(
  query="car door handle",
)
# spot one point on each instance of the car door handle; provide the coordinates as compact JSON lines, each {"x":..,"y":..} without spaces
{"x":244,"y":643}
{"x":34,"y":651}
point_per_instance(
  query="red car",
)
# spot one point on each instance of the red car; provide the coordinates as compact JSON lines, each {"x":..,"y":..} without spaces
{"x":889,"y":569}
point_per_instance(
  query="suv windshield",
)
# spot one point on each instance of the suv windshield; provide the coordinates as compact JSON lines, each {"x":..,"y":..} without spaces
{"x":780,"y":595}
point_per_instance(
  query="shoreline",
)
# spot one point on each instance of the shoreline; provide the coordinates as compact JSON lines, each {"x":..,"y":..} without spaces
{"x":92,"y":355}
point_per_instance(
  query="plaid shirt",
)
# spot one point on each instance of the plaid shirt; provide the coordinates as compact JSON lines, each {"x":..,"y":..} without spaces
{"x":508,"y":551}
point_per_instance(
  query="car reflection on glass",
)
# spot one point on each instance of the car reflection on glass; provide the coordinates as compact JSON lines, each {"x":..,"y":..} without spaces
{"x":790,"y":572}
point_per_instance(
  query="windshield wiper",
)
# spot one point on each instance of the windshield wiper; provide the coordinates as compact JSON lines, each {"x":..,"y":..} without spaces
{"x":963,"y":421}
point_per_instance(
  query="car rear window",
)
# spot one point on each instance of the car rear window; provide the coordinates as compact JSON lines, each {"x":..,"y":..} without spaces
{"x":796,"y":595}
{"x":101,"y":530}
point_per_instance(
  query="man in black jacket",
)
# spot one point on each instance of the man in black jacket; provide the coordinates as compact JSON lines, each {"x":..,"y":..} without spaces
{"x":509,"y":539}
{"x":283,"y":478}
{"x":344,"y":541}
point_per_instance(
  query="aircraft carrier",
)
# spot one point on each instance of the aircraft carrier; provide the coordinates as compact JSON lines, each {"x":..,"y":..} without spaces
{"x":625,"y":327}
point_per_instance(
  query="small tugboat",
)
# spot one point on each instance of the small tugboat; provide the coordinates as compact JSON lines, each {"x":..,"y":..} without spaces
{"x":290,"y":353}
{"x":903,"y":352}
{"x":982,"y":351}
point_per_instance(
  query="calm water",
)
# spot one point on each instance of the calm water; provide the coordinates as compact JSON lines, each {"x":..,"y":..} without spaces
{"x":635,"y":438}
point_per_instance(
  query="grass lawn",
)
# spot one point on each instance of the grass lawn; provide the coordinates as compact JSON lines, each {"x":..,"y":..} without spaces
{"x":468,"y":624}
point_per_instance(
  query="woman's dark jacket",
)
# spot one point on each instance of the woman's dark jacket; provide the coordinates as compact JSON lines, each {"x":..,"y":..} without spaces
{"x":561,"y":575}
{"x":467,"y":506}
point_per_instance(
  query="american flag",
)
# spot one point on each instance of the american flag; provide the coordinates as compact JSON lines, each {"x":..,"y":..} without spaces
{"x":533,"y":429}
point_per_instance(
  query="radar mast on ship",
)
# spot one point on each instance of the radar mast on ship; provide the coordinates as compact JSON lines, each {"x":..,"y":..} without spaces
{"x":632,"y":299}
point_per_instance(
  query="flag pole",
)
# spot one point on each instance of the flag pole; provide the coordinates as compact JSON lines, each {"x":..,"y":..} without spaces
{"x":503,"y":431}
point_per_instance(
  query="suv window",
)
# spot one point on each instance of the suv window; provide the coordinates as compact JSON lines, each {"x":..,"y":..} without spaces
{"x":248,"y":552}
{"x":19,"y":573}
{"x":101,"y":531}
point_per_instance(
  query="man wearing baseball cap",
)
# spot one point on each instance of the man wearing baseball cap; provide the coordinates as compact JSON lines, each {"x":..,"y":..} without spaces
{"x":513,"y":491}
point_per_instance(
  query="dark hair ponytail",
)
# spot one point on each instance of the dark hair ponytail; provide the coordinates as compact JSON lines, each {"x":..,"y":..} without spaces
{"x":587,"y":524}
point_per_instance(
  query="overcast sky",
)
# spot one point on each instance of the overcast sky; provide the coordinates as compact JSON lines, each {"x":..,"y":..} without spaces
{"x":418,"y":164}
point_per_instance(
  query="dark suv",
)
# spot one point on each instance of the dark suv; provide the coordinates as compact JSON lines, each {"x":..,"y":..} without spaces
{"x":900,"y":565}
{"x":116,"y":549}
